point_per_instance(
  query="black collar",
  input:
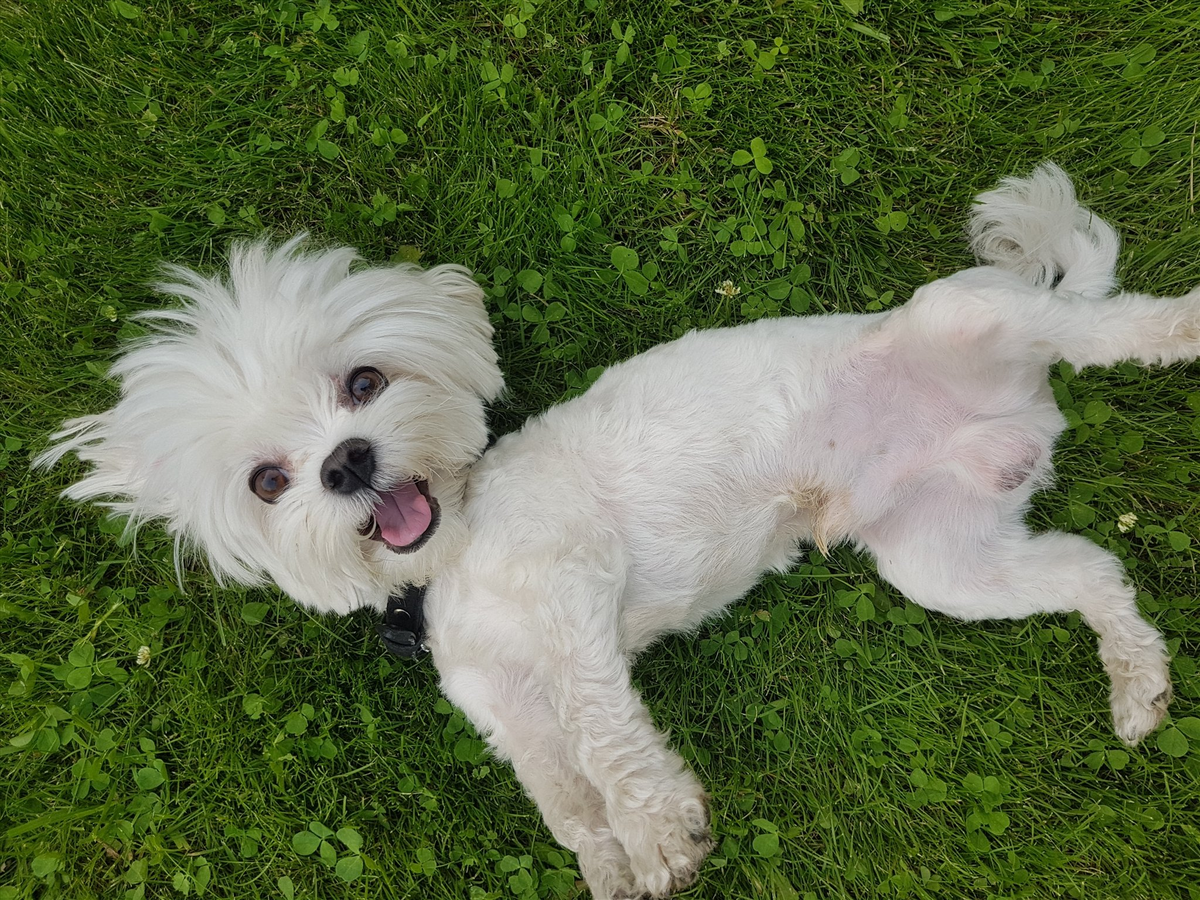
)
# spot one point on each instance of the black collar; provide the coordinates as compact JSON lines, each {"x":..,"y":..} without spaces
{"x":403,"y":627}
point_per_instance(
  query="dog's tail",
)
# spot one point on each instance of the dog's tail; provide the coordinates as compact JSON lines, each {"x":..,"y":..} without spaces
{"x":1035,"y":227}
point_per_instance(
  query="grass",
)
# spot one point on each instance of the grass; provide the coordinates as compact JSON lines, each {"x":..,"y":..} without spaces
{"x":604,"y":167}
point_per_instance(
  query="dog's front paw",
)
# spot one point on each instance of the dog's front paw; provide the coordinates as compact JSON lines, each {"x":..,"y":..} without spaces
{"x":604,"y":865}
{"x":666,"y":850}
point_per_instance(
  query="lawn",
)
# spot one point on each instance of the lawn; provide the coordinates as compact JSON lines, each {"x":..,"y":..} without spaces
{"x":615,"y":174}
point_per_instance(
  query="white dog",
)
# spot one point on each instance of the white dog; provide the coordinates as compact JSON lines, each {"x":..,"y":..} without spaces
{"x":320,"y":426}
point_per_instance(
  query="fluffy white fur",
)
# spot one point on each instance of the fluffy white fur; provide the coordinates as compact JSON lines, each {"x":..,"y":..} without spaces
{"x":250,"y":372}
{"x":652,"y":501}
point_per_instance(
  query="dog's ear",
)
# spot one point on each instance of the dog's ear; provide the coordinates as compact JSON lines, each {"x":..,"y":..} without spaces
{"x":477,"y":363}
{"x":431,"y":322}
{"x":144,"y":473}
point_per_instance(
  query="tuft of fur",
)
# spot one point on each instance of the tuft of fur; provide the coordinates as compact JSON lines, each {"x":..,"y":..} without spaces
{"x":1035,"y":227}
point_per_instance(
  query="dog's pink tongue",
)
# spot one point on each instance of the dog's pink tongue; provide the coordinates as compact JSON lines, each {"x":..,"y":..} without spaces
{"x":403,"y":515}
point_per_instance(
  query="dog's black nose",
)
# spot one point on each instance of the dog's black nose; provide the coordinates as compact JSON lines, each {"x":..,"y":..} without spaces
{"x":349,"y":467}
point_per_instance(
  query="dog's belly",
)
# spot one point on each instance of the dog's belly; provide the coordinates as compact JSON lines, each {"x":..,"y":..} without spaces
{"x":834,"y":450}
{"x":904,"y":411}
{"x":712,"y":460}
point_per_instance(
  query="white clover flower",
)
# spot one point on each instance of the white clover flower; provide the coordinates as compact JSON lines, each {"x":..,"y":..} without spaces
{"x":143,"y":656}
{"x":1126,"y":521}
{"x":728,"y":289}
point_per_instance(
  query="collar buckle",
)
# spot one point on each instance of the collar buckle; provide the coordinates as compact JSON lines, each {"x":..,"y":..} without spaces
{"x":403,"y":627}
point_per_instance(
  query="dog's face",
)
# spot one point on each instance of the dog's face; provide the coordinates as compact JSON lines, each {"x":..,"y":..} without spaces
{"x":301,"y":421}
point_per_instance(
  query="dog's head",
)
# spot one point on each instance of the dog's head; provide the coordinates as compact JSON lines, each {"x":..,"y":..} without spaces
{"x":303,"y":420}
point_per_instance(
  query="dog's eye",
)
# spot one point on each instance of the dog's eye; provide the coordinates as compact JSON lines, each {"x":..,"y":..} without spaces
{"x":363,"y":384}
{"x":268,"y":482}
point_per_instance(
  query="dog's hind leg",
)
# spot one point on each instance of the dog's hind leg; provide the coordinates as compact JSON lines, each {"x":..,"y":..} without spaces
{"x":978,"y":311}
{"x":968,"y":558}
{"x":1035,"y":228}
{"x":514,"y":712}
{"x":1138,"y":327}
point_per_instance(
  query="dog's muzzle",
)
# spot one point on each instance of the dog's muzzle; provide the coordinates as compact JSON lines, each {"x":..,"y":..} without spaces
{"x":405,"y":516}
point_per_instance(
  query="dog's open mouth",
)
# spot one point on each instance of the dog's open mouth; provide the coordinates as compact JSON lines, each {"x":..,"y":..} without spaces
{"x":405,"y":517}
